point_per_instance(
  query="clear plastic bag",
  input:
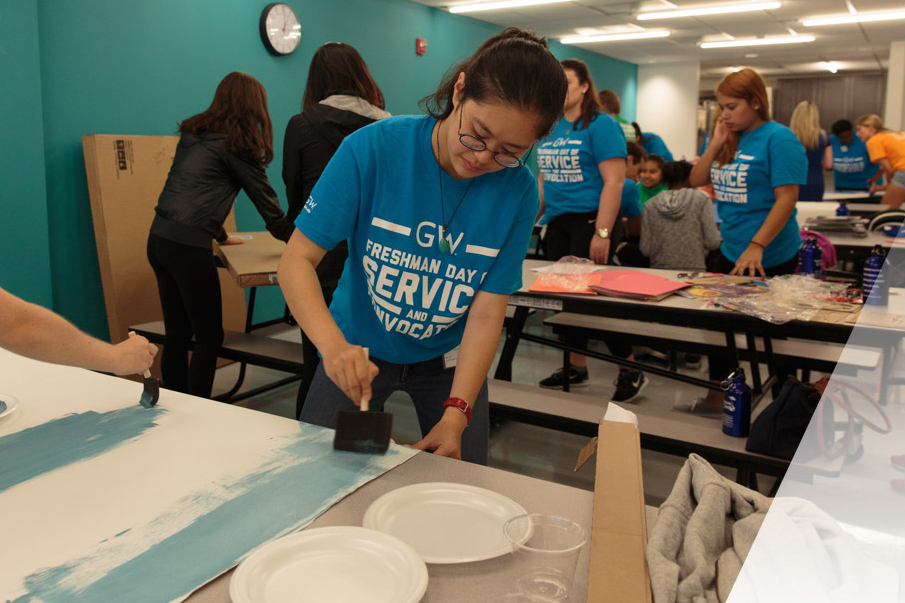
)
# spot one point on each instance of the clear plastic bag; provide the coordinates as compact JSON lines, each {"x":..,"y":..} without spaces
{"x":569,"y":274}
{"x":788,"y":297}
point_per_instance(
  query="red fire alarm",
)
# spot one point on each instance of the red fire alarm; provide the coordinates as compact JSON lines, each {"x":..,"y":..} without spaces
{"x":420,"y":46}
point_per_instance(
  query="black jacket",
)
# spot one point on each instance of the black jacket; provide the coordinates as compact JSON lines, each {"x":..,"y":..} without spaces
{"x":311,"y":139}
{"x":201,"y":187}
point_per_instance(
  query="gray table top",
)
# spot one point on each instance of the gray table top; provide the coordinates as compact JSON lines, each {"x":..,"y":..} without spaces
{"x":478,"y":581}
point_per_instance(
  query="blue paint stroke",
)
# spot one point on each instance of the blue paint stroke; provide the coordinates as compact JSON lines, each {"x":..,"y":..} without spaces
{"x":307,"y":478}
{"x":68,"y":440}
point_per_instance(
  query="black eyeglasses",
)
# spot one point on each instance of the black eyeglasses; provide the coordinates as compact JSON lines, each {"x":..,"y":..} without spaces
{"x":470,"y":141}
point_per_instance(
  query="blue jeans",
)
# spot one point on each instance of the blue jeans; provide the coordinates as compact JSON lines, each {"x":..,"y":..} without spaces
{"x":428,"y":384}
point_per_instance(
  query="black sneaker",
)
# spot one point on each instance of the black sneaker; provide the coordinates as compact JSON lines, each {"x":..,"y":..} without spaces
{"x":578,"y":377}
{"x":693,"y":361}
{"x":629,"y":384}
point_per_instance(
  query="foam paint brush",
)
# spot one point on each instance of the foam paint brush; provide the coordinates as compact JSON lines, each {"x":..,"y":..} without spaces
{"x":363,"y":430}
{"x":151,"y":392}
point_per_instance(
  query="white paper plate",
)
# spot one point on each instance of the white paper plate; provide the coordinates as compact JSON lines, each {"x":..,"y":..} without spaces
{"x":7,"y":405}
{"x":338,"y":564}
{"x":445,"y":522}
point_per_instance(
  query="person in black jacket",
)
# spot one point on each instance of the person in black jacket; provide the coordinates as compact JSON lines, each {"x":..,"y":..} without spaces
{"x":340,"y":97}
{"x":220,"y":151}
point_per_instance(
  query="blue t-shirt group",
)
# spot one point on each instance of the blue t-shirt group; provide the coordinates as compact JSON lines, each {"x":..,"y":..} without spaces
{"x":569,"y":158}
{"x":851,"y":164}
{"x":399,"y":295}
{"x":653,"y":144}
{"x":767,"y":157}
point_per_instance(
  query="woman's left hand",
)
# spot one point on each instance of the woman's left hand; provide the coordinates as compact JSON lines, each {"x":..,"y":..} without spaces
{"x":600,"y":250}
{"x":445,"y":439}
{"x":232,"y":240}
{"x":749,"y":263}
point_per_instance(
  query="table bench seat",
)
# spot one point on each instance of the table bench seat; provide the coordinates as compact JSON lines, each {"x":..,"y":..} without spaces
{"x":258,"y":350}
{"x":808,"y":355}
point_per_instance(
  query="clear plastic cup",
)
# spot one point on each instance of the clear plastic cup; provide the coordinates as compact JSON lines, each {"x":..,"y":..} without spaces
{"x":545,"y":551}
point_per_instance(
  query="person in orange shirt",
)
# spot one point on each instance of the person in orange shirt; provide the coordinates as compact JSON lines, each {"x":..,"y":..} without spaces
{"x":888,"y":149}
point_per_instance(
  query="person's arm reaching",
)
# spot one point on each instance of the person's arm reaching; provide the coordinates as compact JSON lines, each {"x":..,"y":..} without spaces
{"x":30,"y":330}
{"x":344,"y":363}
{"x":749,"y":263}
{"x":612,"y":171}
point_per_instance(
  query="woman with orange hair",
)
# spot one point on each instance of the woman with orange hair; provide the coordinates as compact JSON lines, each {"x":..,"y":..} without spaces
{"x":756,"y":166}
{"x":888,"y":149}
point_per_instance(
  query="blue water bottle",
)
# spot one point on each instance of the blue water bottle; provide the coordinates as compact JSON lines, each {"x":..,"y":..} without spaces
{"x":842,"y":210}
{"x":875,"y":290}
{"x":736,"y":405}
{"x":806,"y":256}
{"x":818,"y":258}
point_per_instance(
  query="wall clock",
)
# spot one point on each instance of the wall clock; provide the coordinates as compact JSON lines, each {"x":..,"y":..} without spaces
{"x":280,"y":29}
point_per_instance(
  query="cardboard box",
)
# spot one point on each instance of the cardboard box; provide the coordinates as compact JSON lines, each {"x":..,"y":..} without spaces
{"x":125,"y":176}
{"x":254,"y":263}
{"x":618,"y":566}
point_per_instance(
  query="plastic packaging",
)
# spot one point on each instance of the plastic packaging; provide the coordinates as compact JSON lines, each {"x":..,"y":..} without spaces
{"x":788,"y":297}
{"x":569,"y":274}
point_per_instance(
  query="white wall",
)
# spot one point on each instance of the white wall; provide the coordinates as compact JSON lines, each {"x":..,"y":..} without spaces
{"x":667,"y":105}
{"x":895,"y":88}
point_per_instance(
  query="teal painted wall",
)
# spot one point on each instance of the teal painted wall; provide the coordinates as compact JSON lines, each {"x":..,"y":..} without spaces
{"x":140,"y":67}
{"x":24,"y":247}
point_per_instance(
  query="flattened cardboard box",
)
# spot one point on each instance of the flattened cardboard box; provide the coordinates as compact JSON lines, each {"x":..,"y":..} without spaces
{"x":618,"y":567}
{"x":125,"y":176}
{"x":253,"y":263}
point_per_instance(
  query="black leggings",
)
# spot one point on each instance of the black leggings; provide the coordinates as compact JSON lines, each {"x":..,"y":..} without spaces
{"x":190,"y":298}
{"x":720,"y":365}
{"x":570,"y":234}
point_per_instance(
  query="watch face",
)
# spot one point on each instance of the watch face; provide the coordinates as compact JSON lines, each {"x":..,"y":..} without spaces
{"x":280,"y":29}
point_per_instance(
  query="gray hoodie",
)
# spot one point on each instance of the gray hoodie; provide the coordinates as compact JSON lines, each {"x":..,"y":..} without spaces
{"x":678,"y":228}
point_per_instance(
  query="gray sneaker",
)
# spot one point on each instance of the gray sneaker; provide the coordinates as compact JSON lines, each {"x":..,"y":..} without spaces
{"x":700,"y":408}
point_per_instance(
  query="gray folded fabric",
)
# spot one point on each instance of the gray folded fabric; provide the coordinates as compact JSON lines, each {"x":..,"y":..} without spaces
{"x":702,"y":536}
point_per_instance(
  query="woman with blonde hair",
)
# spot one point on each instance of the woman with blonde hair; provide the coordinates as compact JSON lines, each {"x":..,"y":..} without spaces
{"x":805,"y":123}
{"x":888,"y":149}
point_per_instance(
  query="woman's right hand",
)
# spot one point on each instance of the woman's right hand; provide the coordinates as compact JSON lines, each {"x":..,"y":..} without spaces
{"x":720,"y":134}
{"x":348,"y":367}
{"x":232,"y":240}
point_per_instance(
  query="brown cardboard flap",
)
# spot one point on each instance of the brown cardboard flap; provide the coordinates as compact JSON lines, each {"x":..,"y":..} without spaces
{"x":618,"y":567}
{"x":253,"y":263}
{"x":125,"y":176}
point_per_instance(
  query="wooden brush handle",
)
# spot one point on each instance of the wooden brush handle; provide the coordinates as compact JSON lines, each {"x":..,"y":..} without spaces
{"x":147,"y":373}
{"x":365,"y":402}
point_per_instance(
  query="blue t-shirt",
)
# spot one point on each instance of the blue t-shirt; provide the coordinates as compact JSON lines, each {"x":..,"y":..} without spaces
{"x":767,"y":157}
{"x":654,"y":144}
{"x":851,"y":164}
{"x":399,"y":295}
{"x":568,"y":160}
{"x":631,"y":200}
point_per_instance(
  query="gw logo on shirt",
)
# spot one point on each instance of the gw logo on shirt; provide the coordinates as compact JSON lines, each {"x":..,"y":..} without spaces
{"x":731,"y":182}
{"x":426,"y":238}
{"x":310,"y":204}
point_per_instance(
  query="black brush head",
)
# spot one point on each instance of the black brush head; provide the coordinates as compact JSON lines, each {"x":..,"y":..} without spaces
{"x":151,"y":392}
{"x":363,"y":431}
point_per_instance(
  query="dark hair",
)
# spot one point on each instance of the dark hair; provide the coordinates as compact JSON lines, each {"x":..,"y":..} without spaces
{"x":656,"y":159}
{"x":239,"y":110}
{"x":337,"y":67}
{"x":609,"y":100}
{"x":590,"y":104}
{"x":639,"y":135}
{"x":676,"y":173}
{"x":843,"y":125}
{"x":636,"y":151}
{"x":513,"y":67}
{"x":749,"y":86}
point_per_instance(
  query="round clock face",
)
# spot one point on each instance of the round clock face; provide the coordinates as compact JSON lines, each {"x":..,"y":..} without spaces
{"x":280,"y":29}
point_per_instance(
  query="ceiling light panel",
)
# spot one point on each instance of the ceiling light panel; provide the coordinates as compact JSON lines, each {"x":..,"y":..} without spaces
{"x":768,"y":41}
{"x":482,"y":6}
{"x":854,"y":18}
{"x":724,"y":9}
